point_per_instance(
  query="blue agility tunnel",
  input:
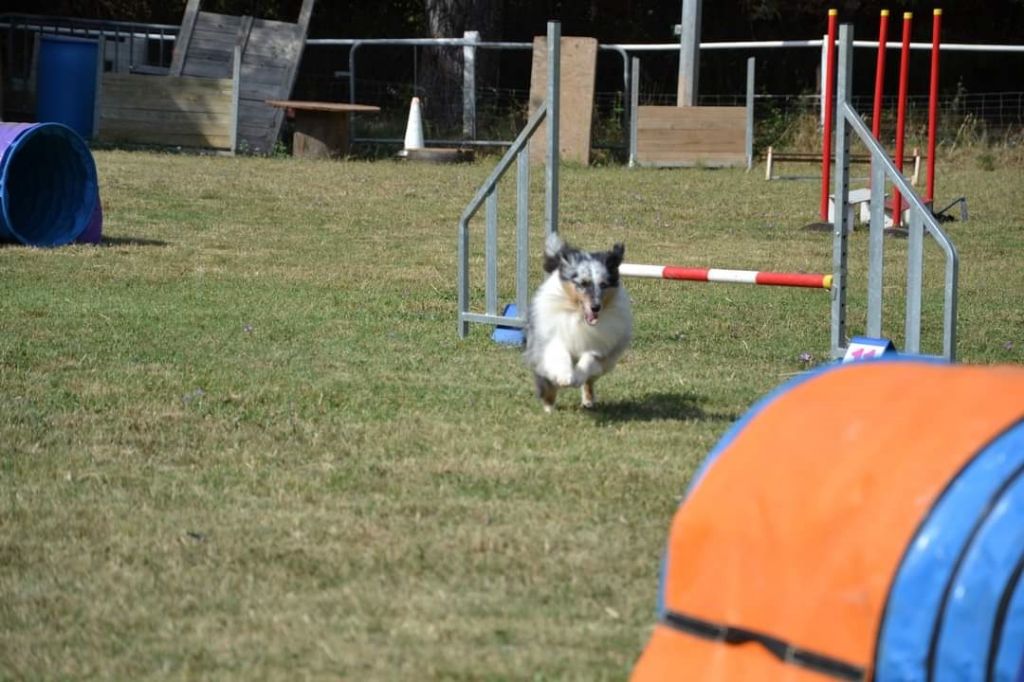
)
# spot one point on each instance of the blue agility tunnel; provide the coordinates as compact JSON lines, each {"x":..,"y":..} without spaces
{"x":861,"y":523}
{"x":48,"y":186}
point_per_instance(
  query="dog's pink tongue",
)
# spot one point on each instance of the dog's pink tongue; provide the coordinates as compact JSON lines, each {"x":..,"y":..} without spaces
{"x":590,"y":316}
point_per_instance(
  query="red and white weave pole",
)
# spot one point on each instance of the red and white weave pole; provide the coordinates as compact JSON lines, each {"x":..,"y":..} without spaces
{"x":778,"y":279}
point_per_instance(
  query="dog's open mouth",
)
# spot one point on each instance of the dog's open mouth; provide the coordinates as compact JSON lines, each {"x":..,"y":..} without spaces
{"x":589,"y":315}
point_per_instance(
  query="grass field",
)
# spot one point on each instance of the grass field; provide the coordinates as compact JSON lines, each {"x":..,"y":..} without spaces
{"x":241,"y":439}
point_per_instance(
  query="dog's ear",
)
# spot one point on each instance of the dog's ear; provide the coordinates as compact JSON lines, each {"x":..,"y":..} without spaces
{"x":554,"y":252}
{"x":615,"y":256}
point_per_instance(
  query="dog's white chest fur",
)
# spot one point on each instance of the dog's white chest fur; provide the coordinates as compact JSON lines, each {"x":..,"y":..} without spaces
{"x":561,"y":340}
{"x":557,"y":318}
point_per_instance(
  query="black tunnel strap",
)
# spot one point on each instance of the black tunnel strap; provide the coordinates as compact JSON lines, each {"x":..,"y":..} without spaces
{"x":782,"y":650}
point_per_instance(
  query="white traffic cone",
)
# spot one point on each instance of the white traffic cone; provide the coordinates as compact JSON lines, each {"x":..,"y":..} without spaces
{"x":414,"y":129}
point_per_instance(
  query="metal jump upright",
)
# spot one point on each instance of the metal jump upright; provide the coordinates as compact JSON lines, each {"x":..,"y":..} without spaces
{"x":920,"y":220}
{"x":488,"y":193}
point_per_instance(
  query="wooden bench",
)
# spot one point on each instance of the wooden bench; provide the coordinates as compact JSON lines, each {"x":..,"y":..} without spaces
{"x":321,"y":128}
{"x":772,"y":157}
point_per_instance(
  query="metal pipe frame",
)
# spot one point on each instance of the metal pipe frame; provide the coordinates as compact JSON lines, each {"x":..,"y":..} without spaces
{"x":488,"y":195}
{"x":921,"y":220}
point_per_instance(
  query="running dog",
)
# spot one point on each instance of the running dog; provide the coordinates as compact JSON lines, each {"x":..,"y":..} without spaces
{"x":580,"y":320}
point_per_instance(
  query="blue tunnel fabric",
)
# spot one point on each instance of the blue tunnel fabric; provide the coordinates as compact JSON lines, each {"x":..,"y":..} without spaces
{"x":48,"y":184}
{"x":930,"y":567}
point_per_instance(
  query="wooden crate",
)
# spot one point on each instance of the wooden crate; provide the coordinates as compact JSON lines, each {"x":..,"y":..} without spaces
{"x":167,"y":110}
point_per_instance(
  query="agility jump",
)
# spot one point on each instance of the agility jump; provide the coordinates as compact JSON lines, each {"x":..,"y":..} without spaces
{"x":848,"y":125}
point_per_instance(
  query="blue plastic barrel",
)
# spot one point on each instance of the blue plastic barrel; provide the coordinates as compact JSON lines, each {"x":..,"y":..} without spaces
{"x":66,"y":82}
{"x":48,"y":185}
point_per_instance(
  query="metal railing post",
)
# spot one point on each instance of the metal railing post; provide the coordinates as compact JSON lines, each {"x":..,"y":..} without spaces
{"x":840,"y":230}
{"x":554,"y":40}
{"x":634,"y":109}
{"x":522,"y":229}
{"x":469,"y":84}
{"x":876,"y":240}
{"x":750,"y":113}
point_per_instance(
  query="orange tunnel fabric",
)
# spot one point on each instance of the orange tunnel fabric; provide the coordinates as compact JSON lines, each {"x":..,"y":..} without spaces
{"x":798,"y":526}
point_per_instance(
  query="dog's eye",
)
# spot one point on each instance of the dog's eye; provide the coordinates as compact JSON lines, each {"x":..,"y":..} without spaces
{"x":604,"y":285}
{"x":584,"y":283}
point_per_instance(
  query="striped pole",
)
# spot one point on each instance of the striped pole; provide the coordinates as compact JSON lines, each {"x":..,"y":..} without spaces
{"x":778,"y":279}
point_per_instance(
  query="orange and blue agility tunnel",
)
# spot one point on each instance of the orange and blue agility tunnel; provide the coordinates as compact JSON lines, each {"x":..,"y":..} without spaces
{"x":865,"y":522}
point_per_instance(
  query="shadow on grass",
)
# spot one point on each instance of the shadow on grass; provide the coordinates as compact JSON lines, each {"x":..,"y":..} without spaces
{"x":105,"y":241}
{"x":657,"y":406}
{"x":131,"y":241}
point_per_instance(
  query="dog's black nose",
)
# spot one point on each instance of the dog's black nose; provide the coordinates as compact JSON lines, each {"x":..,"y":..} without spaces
{"x":596,"y":307}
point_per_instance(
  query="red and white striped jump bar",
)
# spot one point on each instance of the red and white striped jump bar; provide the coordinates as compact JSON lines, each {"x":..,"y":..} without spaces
{"x":777,"y":279}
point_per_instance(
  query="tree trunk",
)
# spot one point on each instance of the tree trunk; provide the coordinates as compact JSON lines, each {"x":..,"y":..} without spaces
{"x":442,"y":67}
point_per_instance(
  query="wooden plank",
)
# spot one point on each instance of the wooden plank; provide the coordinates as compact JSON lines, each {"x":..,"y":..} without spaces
{"x":247,"y":131}
{"x":213,"y":21}
{"x":117,"y":98}
{"x":275,"y":25}
{"x":200,"y":55}
{"x":128,"y":83}
{"x":259,"y":92}
{"x":196,"y":141}
{"x":267,"y":75}
{"x":271,"y":53}
{"x":208,"y":69}
{"x":156,"y":109}
{"x":269,"y":42}
{"x":321,"y":106}
{"x":689,"y":144}
{"x":204,"y":37}
{"x":168,"y":122}
{"x":184,"y":37}
{"x":255,"y":121}
{"x":692,"y":118}
{"x":576,"y":97}
{"x":698,"y":160}
{"x":724,"y":139}
{"x":186,"y":101}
